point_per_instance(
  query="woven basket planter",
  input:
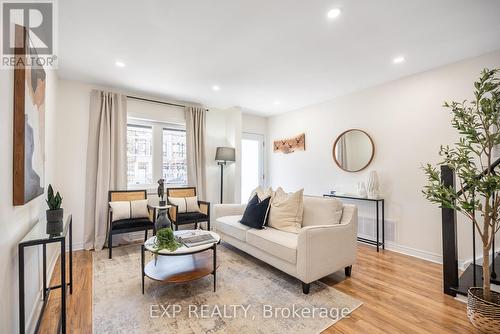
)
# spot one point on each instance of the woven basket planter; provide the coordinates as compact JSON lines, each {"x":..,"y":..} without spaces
{"x":484,"y":315}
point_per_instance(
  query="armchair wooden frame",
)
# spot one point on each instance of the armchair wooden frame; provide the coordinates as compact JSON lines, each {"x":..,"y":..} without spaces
{"x":125,"y":195}
{"x":173,"y":211}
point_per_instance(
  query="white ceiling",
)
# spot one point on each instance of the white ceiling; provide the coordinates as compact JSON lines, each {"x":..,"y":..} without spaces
{"x":262,"y":51}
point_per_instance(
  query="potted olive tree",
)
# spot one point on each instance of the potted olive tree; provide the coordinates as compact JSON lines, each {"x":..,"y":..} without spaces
{"x":478,"y":198}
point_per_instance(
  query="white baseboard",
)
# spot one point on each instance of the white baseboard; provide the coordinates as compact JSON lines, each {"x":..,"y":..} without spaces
{"x":424,"y":255}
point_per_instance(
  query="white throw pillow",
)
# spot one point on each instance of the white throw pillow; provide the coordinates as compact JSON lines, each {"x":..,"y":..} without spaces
{"x":121,"y":210}
{"x":287,"y":210}
{"x":185,"y":204}
{"x":139,"y":209}
{"x":261,"y":193}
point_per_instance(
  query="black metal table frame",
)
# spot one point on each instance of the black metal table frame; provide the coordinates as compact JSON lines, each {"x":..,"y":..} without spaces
{"x":214,"y":272}
{"x":378,"y":202}
{"x":46,"y":290}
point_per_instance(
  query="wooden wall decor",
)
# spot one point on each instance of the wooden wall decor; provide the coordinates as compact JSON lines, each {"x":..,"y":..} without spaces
{"x":290,"y":145}
{"x":29,"y":123}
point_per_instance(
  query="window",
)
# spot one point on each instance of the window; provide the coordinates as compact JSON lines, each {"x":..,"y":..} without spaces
{"x":155,"y":150}
{"x":139,"y":155}
{"x":174,"y":157}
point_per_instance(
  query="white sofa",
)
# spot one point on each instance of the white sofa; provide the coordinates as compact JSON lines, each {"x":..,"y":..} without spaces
{"x":325,"y":244}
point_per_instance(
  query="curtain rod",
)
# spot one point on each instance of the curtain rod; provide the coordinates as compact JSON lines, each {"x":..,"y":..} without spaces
{"x":156,"y":101}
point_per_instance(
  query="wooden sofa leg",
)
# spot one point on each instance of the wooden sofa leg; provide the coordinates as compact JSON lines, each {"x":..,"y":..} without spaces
{"x":306,"y":287}
{"x":348,"y":270}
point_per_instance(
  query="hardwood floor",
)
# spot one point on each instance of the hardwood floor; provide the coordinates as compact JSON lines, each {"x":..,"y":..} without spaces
{"x":401,"y":294}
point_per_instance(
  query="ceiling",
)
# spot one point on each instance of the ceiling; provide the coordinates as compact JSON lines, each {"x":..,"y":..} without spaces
{"x":267,"y":56}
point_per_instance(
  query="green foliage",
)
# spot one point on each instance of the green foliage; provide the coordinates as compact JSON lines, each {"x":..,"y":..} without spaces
{"x":54,"y":202}
{"x":165,"y":240}
{"x":477,"y":194}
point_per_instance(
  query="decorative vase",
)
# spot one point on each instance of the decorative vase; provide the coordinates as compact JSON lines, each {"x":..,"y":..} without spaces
{"x":361,"y":189}
{"x":484,"y":315}
{"x":372,"y":186}
{"x":162,"y":221}
{"x":54,"y":216}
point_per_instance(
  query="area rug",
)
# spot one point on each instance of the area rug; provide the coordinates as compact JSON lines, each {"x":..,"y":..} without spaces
{"x":251,"y":297}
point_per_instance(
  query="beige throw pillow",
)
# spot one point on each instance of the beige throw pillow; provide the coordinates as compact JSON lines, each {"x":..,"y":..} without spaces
{"x":120,"y":210}
{"x":261,"y":193}
{"x":286,"y":212}
{"x":139,"y":209}
{"x":185,"y":204}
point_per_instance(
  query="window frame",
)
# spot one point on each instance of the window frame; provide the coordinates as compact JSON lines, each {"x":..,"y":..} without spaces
{"x":157,"y":149}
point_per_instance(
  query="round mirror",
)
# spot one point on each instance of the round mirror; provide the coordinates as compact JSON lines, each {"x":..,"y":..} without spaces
{"x":353,"y":150}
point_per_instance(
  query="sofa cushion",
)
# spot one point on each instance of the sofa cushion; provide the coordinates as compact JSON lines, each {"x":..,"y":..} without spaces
{"x":255,"y":214}
{"x":275,"y":242}
{"x":321,"y":211}
{"x":286,"y":212}
{"x":231,"y":226}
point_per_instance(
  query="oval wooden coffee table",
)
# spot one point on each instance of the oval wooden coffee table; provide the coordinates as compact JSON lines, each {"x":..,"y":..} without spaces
{"x":182,"y":265}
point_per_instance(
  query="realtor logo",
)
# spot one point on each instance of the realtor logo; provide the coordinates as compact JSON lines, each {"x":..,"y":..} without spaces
{"x":37,"y":18}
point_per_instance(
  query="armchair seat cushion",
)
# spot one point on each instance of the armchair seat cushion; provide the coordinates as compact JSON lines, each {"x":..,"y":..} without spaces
{"x":191,"y":217}
{"x":132,"y":223}
{"x":275,"y":242}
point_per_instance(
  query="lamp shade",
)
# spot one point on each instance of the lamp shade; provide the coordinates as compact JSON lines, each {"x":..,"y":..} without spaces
{"x":225,"y":154}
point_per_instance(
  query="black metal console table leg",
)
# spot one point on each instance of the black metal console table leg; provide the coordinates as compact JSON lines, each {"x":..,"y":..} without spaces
{"x":63,"y":285}
{"x":378,"y":223}
{"x":21,"y":290}
{"x":71,"y":257}
{"x":383,"y":225}
{"x":44,"y":266}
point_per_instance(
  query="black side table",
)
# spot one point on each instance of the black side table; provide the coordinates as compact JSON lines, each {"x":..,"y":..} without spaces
{"x":378,"y":202}
{"x":43,"y":234}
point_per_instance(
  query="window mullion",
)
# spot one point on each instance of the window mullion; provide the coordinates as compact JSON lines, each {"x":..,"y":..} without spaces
{"x":157,"y":152}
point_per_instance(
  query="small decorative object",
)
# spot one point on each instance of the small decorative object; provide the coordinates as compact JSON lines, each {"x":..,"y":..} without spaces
{"x":372,"y":186}
{"x":162,"y":221}
{"x":290,"y":145}
{"x":54,"y":214}
{"x":161,"y":192}
{"x":361,"y":189}
{"x":165,"y":240}
{"x":29,"y":122}
{"x":477,"y":124}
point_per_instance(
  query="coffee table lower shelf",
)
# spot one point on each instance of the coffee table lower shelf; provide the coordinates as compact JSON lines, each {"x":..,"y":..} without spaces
{"x":181,"y":268}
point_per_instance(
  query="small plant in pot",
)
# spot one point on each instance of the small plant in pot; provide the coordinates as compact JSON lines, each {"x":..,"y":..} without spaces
{"x":478,"y":123}
{"x":55,"y":213}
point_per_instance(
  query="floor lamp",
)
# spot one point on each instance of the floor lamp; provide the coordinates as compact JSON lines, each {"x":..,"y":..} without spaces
{"x":222,"y":156}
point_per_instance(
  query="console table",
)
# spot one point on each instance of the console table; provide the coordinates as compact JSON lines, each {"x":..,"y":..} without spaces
{"x":379,"y":202}
{"x":43,"y":234}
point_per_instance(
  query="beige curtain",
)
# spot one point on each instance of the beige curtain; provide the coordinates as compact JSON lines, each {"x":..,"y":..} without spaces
{"x":106,"y":162}
{"x":195,"y":149}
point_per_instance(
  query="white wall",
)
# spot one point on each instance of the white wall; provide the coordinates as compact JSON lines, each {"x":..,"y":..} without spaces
{"x":407,"y":124}
{"x":73,"y":118}
{"x":16,"y":221}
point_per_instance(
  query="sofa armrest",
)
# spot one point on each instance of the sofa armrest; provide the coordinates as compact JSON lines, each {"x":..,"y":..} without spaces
{"x":222,"y":210}
{"x":325,"y":249}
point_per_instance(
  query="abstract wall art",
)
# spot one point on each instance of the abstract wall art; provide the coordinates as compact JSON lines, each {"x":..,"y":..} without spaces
{"x":29,"y":123}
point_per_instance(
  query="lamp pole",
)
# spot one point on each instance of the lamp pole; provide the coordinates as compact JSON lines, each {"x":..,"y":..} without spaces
{"x":221,"y":163}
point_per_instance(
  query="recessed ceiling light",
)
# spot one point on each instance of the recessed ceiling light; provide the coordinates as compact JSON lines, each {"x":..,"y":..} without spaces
{"x":215,"y":87}
{"x":333,"y":13}
{"x":398,"y":60}
{"x":120,"y":64}
{"x":276,"y":103}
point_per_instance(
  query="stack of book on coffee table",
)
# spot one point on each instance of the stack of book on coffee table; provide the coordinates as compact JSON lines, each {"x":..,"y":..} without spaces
{"x":193,"y":239}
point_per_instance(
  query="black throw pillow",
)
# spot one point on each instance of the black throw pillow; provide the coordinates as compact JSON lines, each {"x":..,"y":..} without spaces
{"x":256,"y":212}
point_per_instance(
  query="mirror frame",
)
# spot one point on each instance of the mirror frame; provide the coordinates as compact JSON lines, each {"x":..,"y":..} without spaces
{"x":335,"y":145}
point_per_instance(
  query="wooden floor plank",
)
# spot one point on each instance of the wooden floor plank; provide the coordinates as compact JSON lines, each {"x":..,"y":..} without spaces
{"x":401,"y":294}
